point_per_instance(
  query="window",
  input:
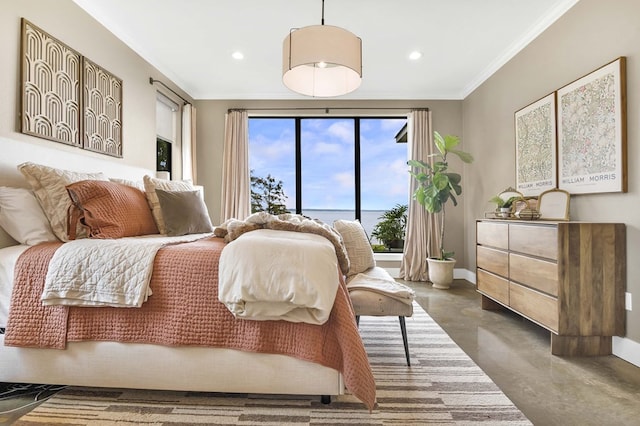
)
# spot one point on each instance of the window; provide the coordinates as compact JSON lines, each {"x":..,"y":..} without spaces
{"x":166,"y":131}
{"x":333,"y":168}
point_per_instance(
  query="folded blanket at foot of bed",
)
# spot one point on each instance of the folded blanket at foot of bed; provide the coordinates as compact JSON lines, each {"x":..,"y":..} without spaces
{"x":271,"y":275}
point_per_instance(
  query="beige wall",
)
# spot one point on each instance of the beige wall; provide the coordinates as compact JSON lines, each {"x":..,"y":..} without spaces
{"x":588,"y":36}
{"x":66,"y":21}
{"x":447,"y":119}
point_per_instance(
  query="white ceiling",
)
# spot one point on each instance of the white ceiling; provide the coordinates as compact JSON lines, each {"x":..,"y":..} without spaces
{"x":462,"y":42}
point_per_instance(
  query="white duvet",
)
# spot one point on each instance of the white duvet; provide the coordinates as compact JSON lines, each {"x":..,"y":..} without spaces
{"x":279,"y":275}
{"x":96,"y":272}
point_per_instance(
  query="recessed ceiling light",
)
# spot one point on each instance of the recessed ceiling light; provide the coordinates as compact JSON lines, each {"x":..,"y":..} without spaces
{"x":415,"y":55}
{"x":237,"y":55}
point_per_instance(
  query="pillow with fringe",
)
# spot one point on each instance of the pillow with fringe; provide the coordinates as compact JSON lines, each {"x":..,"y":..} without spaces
{"x":111,"y":210}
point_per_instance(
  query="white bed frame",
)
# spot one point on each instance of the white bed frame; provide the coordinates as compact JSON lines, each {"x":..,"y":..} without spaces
{"x":144,"y":366}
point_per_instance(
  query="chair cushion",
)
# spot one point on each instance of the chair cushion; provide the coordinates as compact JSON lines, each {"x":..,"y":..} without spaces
{"x":369,"y":303}
{"x":374,"y":292}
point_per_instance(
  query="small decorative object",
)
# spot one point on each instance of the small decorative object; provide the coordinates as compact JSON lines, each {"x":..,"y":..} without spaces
{"x":527,"y":213}
{"x":437,"y":185}
{"x":592,"y":132}
{"x":554,"y":205}
{"x":535,"y":127}
{"x":505,"y":202}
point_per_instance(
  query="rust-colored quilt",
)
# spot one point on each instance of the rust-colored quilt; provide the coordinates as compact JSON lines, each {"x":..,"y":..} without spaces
{"x":184,"y":310}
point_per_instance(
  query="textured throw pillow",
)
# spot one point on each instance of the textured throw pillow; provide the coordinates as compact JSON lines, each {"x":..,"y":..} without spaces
{"x":112,"y":210}
{"x":150,"y":186}
{"x":135,"y":183}
{"x":48,"y":185}
{"x":357,"y":245}
{"x":184,"y":212}
{"x":22,"y":217}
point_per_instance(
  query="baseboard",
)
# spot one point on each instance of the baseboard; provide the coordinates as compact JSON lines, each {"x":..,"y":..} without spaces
{"x":627,"y":350}
{"x":464,"y":274}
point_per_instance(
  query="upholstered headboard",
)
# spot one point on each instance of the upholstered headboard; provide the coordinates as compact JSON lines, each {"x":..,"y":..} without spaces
{"x":54,"y":155}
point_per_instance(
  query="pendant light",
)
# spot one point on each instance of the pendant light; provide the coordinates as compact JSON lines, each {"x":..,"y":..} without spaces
{"x":322,"y":60}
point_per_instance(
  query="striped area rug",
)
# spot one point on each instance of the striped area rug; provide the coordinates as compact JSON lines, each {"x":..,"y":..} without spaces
{"x":443,"y":386}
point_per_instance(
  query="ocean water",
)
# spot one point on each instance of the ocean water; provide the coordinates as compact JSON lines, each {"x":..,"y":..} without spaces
{"x":369,"y":217}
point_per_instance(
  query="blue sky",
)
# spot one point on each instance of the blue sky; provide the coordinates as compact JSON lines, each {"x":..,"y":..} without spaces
{"x":328,"y":161}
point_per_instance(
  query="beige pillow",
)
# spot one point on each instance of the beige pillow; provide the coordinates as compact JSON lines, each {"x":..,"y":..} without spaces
{"x":49,"y":187}
{"x":150,"y":186}
{"x":184,"y":212}
{"x":357,"y":245}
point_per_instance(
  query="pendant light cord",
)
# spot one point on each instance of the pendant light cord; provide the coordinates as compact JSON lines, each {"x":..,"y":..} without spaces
{"x":322,"y":12}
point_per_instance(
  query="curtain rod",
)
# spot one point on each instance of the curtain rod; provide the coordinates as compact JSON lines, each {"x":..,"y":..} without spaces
{"x":326,"y":109}
{"x":151,"y":81}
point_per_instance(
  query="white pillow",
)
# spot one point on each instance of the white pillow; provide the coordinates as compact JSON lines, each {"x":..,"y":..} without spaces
{"x":150,"y":185}
{"x":22,"y":217}
{"x":49,"y":187}
{"x":357,"y":245}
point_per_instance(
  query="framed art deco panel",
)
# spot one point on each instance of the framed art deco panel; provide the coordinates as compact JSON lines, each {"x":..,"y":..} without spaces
{"x":102,"y":102}
{"x":66,"y":97}
{"x":535,"y":129}
{"x":50,"y":87}
{"x":592,"y":133}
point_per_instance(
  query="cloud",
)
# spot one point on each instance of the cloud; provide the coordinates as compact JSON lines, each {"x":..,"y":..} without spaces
{"x":327,"y":148}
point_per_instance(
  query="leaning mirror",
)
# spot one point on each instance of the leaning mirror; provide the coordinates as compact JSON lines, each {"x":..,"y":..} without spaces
{"x":554,"y":205}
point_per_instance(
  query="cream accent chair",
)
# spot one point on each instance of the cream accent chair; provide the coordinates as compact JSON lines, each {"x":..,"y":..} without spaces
{"x":375,"y":293}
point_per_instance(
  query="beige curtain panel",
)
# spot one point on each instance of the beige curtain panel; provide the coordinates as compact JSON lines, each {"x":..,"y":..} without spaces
{"x":236,"y":192}
{"x":422,"y":226}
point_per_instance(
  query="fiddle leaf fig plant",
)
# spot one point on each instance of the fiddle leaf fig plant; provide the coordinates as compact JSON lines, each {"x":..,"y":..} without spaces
{"x":436,"y":184}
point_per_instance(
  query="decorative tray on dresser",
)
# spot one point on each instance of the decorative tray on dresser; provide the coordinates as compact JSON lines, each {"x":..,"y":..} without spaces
{"x":568,"y":277}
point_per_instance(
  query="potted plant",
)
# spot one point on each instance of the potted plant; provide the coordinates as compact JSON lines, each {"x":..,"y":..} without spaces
{"x":436,"y":186}
{"x":503,"y":206}
{"x":391,"y":228}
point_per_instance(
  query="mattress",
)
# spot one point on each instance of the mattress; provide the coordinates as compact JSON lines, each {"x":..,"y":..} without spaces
{"x":8,"y":258}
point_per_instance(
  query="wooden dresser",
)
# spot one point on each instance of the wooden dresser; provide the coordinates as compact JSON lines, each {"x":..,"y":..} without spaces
{"x":568,"y":277}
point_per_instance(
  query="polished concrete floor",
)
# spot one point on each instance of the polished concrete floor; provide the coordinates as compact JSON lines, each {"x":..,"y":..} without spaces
{"x":515,"y":353}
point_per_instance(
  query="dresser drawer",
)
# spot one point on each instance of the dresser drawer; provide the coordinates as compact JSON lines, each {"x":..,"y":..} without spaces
{"x":540,"y":307}
{"x":493,"y":260}
{"x":534,"y":240}
{"x":537,"y":273}
{"x":493,"y":234}
{"x":493,"y":286}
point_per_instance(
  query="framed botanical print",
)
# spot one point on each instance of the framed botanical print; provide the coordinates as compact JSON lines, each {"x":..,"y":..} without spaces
{"x":592,"y":134}
{"x":535,"y":129}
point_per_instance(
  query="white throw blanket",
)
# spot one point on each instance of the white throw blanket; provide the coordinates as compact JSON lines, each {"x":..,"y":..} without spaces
{"x":96,"y":272}
{"x":269,"y":274}
{"x":378,"y":280}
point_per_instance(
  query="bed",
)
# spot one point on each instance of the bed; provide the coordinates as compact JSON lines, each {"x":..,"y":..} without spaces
{"x":163,"y":356}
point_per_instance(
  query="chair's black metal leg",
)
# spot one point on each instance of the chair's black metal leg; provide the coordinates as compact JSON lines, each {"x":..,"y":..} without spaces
{"x":325,"y":399}
{"x":358,"y":320}
{"x":403,"y":327}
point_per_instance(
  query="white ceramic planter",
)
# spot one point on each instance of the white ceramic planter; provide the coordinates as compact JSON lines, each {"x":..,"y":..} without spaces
{"x":441,"y":272}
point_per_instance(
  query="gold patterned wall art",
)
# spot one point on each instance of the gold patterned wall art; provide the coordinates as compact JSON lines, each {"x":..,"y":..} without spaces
{"x":50,"y":87}
{"x":66,"y":97}
{"x":592,"y":132}
{"x":535,"y":127}
{"x":102,"y":101}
